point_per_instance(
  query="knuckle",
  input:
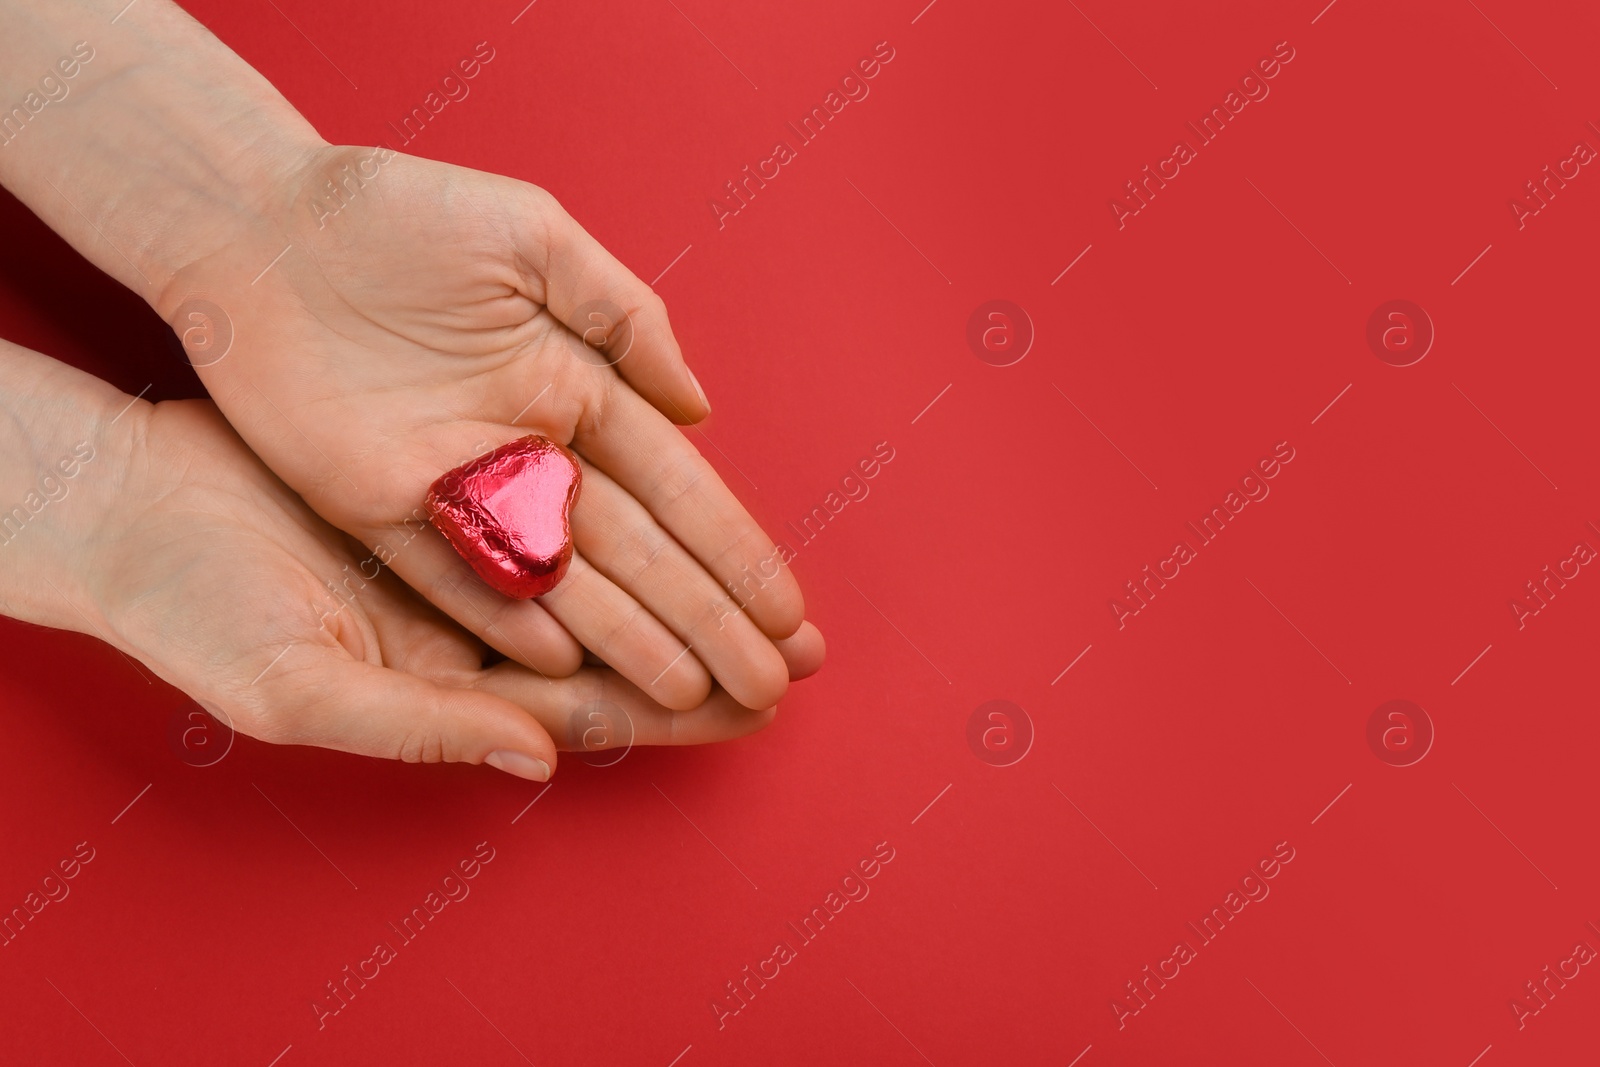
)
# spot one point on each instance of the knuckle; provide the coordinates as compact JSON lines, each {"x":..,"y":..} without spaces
{"x":620,"y":630}
{"x":648,"y":544}
{"x":597,"y":387}
{"x":540,"y":199}
{"x":420,"y":747}
{"x":653,"y":307}
{"x":748,"y":544}
{"x":681,"y":477}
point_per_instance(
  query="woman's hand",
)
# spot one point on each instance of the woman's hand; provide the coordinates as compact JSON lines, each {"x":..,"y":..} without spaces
{"x":174,"y":543}
{"x":394,"y":317}
{"x":217,"y":576}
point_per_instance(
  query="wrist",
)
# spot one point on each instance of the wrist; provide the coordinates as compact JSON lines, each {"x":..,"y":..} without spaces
{"x":161,"y":148}
{"x":69,"y":442}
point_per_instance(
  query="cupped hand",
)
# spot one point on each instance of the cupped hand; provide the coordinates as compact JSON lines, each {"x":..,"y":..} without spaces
{"x":214,"y":573}
{"x":393,"y":317}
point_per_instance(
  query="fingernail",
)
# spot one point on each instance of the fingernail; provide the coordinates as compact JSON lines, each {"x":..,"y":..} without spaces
{"x":698,"y":389}
{"x":523,"y":766}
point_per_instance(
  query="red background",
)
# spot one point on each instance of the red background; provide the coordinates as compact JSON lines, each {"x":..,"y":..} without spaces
{"x":1223,"y":719}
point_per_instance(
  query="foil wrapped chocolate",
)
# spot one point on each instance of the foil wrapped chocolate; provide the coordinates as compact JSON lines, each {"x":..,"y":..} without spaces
{"x":507,"y":513}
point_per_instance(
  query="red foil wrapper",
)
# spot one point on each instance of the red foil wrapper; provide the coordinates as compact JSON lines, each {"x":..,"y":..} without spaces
{"x":507,"y":514}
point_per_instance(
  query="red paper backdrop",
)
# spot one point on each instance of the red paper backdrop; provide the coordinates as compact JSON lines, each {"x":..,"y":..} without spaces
{"x":1226,"y":720}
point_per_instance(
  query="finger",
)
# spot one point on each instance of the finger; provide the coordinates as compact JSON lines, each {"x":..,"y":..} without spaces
{"x":621,"y":539}
{"x":322,"y":697}
{"x":597,"y":709}
{"x":603,"y":302}
{"x":803,"y":651}
{"x":523,"y":630}
{"x":651,"y":459}
{"x":623,"y":633}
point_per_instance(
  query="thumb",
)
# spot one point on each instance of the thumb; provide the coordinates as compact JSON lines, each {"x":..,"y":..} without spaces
{"x":351,"y":706}
{"x":609,"y":308}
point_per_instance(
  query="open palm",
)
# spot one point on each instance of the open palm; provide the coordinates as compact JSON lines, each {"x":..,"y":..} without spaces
{"x":441,"y":312}
{"x":216,"y":575}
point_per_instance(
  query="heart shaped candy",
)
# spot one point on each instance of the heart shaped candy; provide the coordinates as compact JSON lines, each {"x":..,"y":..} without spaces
{"x":507,"y":514}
